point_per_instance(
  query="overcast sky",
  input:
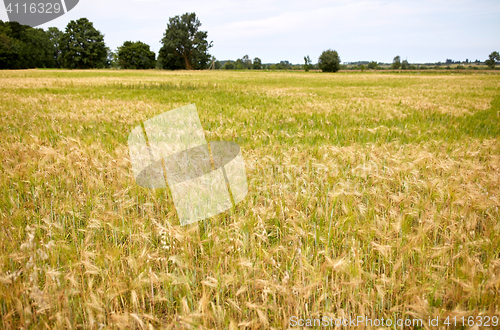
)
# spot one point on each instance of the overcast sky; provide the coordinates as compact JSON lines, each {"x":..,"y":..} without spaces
{"x":420,"y":31}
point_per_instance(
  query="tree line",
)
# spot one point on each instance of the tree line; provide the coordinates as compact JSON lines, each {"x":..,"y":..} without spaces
{"x":184,"y":47}
{"x":329,"y":61}
{"x":80,"y":46}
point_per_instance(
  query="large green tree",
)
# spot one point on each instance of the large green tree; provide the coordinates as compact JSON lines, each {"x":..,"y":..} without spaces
{"x":136,"y":55}
{"x":492,"y":59}
{"x":329,"y":61}
{"x":184,"y":46}
{"x":82,"y":46}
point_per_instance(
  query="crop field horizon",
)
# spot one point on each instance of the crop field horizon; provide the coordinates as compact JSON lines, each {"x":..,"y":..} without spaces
{"x":370,"y":195}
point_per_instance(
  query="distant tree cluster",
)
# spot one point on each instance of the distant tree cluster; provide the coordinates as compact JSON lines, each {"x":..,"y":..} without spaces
{"x":307,"y":63}
{"x":396,"y":63}
{"x":257,"y":64}
{"x":244,"y":63}
{"x":492,"y":60}
{"x":329,"y":61}
{"x":372,"y":65}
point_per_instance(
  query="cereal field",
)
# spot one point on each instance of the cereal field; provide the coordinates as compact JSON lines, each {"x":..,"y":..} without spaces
{"x":370,"y":194}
